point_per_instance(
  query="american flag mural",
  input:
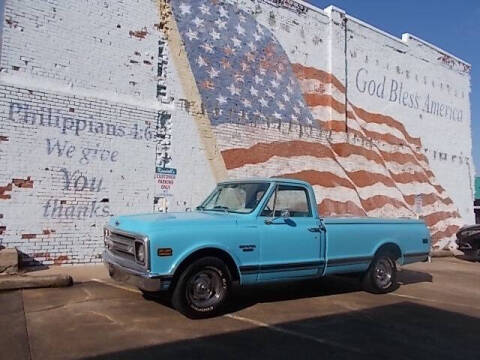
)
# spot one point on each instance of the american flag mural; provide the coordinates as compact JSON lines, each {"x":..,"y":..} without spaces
{"x":272,"y":117}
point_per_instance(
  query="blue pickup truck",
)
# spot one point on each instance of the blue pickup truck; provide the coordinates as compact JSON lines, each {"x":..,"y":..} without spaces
{"x":255,"y":231}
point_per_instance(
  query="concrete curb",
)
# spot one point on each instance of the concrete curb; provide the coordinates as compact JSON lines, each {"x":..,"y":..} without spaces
{"x":446,"y":253}
{"x":14,"y":282}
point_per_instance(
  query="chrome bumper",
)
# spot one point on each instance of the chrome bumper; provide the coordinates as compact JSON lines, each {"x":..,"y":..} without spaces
{"x":142,"y":279}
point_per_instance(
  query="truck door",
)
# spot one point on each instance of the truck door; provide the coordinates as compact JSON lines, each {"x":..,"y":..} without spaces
{"x":291,"y":243}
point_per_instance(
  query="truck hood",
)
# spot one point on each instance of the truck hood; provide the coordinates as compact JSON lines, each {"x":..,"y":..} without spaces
{"x":148,"y":223}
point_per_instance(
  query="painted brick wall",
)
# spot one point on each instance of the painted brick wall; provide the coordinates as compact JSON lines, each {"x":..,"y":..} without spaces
{"x":101,"y":114}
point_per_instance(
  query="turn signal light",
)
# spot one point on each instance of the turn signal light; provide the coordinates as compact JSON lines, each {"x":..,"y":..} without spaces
{"x":165,"y":252}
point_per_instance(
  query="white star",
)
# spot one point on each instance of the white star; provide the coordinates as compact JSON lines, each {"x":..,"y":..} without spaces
{"x":197,"y":21}
{"x":252,"y":46}
{"x":228,"y":50}
{"x":296,"y":109}
{"x":215,"y":35}
{"x":233,"y":90}
{"x":263,"y":102}
{"x":269,"y":93}
{"x":236,"y":42}
{"x":204,"y":9}
{"x":207,"y":47}
{"x":200,"y":61}
{"x":258,"y":79}
{"x":240,"y":29}
{"x":221,"y":99}
{"x":213,"y":73}
{"x":185,"y":9}
{"x":274,"y":83}
{"x":257,"y":37}
{"x":191,"y":34}
{"x":239,"y":77}
{"x":260,"y":29}
{"x":289,"y":89}
{"x":277,"y":115}
{"x":294,"y":118}
{"x":285,"y":97}
{"x":253,"y":91}
{"x":221,"y":24}
{"x":244,"y":66}
{"x":242,"y":18}
{"x":246,"y":103}
{"x":278,"y":75}
{"x":281,"y":105}
{"x":223,"y":12}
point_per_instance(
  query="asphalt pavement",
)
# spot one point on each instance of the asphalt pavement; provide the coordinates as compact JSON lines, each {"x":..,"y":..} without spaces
{"x":435,"y":314}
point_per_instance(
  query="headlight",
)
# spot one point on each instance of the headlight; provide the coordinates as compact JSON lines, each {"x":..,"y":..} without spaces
{"x":140,"y":252}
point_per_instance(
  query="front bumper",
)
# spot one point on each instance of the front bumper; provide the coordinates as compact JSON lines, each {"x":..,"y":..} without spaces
{"x":142,"y":279}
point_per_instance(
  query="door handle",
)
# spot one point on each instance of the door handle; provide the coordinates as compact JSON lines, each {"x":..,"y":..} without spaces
{"x":314,"y":229}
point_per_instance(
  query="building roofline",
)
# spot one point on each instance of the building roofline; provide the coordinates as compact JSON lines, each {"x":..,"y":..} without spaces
{"x":403,"y":40}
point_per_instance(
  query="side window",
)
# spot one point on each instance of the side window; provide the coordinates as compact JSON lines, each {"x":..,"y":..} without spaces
{"x":291,"y":198}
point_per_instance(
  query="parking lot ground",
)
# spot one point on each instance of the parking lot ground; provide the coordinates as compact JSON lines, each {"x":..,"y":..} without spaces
{"x":435,"y":314}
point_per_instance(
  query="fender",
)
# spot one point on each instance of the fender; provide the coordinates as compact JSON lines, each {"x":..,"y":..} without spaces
{"x":191,"y":250}
{"x":389,"y":242}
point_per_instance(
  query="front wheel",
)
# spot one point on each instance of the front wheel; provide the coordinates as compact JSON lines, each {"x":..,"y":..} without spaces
{"x":381,"y":276}
{"x":202,"y":288}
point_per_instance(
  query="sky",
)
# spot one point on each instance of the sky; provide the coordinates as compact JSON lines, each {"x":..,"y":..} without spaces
{"x":450,"y":25}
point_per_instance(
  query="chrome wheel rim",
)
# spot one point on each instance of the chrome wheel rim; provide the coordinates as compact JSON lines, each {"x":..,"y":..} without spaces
{"x":383,"y":273}
{"x":205,"y":288}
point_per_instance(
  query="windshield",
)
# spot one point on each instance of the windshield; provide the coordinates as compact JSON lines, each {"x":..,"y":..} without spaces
{"x":240,"y":198}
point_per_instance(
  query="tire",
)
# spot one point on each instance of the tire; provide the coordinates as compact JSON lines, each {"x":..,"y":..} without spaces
{"x":381,"y":276}
{"x":202,"y":289}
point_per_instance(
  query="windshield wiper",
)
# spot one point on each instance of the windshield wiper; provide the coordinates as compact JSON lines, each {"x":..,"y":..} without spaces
{"x":200,"y":207}
{"x":220,"y":207}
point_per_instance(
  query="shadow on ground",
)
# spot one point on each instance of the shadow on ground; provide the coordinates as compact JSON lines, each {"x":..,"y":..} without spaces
{"x":29,"y":264}
{"x":399,"y":331}
{"x":469,"y":258}
{"x":245,"y":297}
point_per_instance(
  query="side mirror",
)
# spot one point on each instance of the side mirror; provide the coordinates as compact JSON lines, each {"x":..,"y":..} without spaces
{"x":284,"y":214}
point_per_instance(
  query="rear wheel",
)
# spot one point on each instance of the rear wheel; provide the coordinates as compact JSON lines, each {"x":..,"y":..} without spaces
{"x":381,"y":276}
{"x":202,"y":288}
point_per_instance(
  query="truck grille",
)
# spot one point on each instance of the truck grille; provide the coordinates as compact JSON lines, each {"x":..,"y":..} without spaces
{"x":121,"y":245}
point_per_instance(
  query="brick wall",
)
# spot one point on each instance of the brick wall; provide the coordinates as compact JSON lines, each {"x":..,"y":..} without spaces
{"x":101,"y":114}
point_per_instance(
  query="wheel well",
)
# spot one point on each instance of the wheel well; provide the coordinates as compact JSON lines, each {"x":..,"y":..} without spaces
{"x":221,"y":254}
{"x":391,"y":248}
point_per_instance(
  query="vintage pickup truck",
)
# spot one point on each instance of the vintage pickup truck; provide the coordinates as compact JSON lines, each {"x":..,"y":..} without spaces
{"x":255,"y":231}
